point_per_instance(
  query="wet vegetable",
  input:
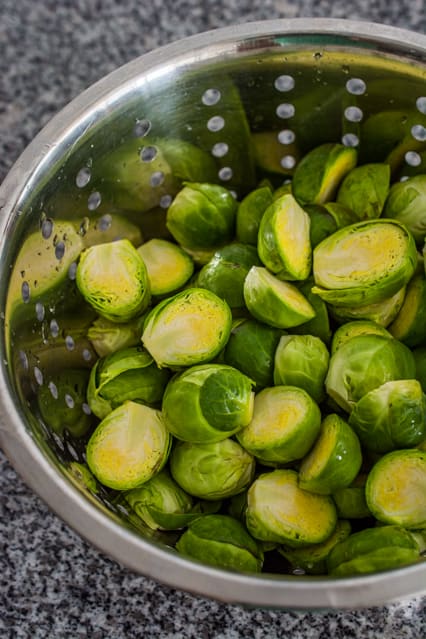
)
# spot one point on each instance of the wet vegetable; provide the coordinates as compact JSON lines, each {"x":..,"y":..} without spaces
{"x":249,"y":214}
{"x":406,"y":203}
{"x":168,"y":266}
{"x":365,"y":189}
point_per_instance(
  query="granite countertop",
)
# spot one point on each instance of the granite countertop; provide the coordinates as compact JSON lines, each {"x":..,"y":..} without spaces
{"x":52,"y":583}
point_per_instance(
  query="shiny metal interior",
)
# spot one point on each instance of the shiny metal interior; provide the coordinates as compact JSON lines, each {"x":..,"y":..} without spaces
{"x":312,"y":81}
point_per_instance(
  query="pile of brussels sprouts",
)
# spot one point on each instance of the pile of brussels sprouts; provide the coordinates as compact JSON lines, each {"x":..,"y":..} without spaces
{"x":261,"y":373}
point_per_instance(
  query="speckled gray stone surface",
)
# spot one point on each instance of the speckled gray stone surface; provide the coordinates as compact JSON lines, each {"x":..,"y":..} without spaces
{"x":52,"y":583}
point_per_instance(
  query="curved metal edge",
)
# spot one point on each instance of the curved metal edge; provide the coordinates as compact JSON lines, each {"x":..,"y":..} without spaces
{"x":131,"y":550}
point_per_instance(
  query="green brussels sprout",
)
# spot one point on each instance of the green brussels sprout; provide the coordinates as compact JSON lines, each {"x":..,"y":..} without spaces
{"x":302,"y":360}
{"x":212,"y":471}
{"x":396,"y":488}
{"x":273,"y":301}
{"x":127,"y":374}
{"x":350,"y":501}
{"x":112,"y":278}
{"x":382,"y":313}
{"x":202,"y":217}
{"x":283,"y":240}
{"x":347,"y":331}
{"x":109,"y":227}
{"x":406,"y":203}
{"x":364,"y":363}
{"x":322,"y":223}
{"x":364,"y":263}
{"x":82,"y":477}
{"x":391,"y":416}
{"x":269,"y":152}
{"x":364,"y":190}
{"x":221,"y":541}
{"x":334,"y":460}
{"x":249,"y":213}
{"x":108,"y":337}
{"x":168,"y":266}
{"x":341,"y":214}
{"x":251,"y":349}
{"x":319,"y":173}
{"x":189,"y":328}
{"x":371,"y":550}
{"x":409,"y":326}
{"x":319,"y":325}
{"x":208,"y":403}
{"x":61,"y":400}
{"x":279,"y":510}
{"x":285,"y":424}
{"x":129,"y":446}
{"x":419,"y":355}
{"x":284,"y":189}
{"x":225,"y":273}
{"x":237,"y":505}
{"x":312,"y":559}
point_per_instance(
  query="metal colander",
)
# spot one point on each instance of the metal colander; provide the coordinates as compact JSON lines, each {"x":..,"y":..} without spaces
{"x":282,"y":87}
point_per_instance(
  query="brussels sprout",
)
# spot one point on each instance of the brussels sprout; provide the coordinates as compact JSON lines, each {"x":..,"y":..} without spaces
{"x":189,"y":328}
{"x":396,"y":488}
{"x":406,"y":203}
{"x":362,"y":364}
{"x":322,"y":223}
{"x":237,"y":506}
{"x":212,"y":471}
{"x":168,"y":266}
{"x":383,"y":134}
{"x":202,"y":217}
{"x":129,"y":446}
{"x":420,"y":362}
{"x":108,"y":228}
{"x":284,"y":189}
{"x":302,"y":360}
{"x":112,"y":278}
{"x":274,"y":302}
{"x":208,"y":403}
{"x":319,"y":172}
{"x":249,"y":214}
{"x":350,"y":501}
{"x":225,"y":273}
{"x":364,"y":190}
{"x":409,"y":326}
{"x":283,"y":241}
{"x":220,"y":540}
{"x":312,"y":559}
{"x":251,"y":348}
{"x":364,"y":263}
{"x":269,"y":153}
{"x":62,"y":404}
{"x":382,"y":313}
{"x":341,"y":214}
{"x":285,"y":424}
{"x":108,"y":337}
{"x":130,"y":373}
{"x":279,"y":510}
{"x":373,"y":549}
{"x":334,"y":460}
{"x":391,"y":416}
{"x":318,"y":325}
{"x":347,"y":331}
{"x":81,"y":475}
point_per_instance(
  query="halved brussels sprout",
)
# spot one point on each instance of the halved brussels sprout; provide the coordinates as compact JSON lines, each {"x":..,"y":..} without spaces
{"x":371,"y":550}
{"x":279,"y":510}
{"x":312,"y":559}
{"x":419,"y":355}
{"x":220,"y":540}
{"x":322,"y":223}
{"x":208,"y":403}
{"x":283,"y":240}
{"x":212,"y":471}
{"x":318,"y":325}
{"x":225,"y":273}
{"x":365,"y":189}
{"x":130,"y":373}
{"x":334,"y":460}
{"x":364,"y":263}
{"x":168,"y":266}
{"x":391,"y":416}
{"x":285,"y":424}
{"x":129,"y":446}
{"x":81,"y":475}
{"x":406,"y":203}
{"x":251,"y":348}
{"x":108,"y":228}
{"x":364,"y":363}
{"x":108,"y":337}
{"x":189,"y":328}
{"x":319,"y":173}
{"x":302,"y":360}
{"x":409,"y":326}
{"x":284,"y":189}
{"x":382,"y":313}
{"x":273,"y":301}
{"x":396,"y":488}
{"x":62,"y":403}
{"x":345,"y":332}
{"x":249,"y":213}
{"x":202,"y":216}
{"x":350,"y":501}
{"x":112,"y":278}
{"x":269,"y":153}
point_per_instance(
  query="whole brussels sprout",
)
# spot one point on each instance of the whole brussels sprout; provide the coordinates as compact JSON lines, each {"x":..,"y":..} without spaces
{"x":249,"y":213}
{"x":364,"y":190}
{"x":406,"y":203}
{"x":346,"y":331}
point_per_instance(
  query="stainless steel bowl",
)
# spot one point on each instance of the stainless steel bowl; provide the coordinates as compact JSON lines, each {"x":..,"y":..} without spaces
{"x":276,"y":65}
